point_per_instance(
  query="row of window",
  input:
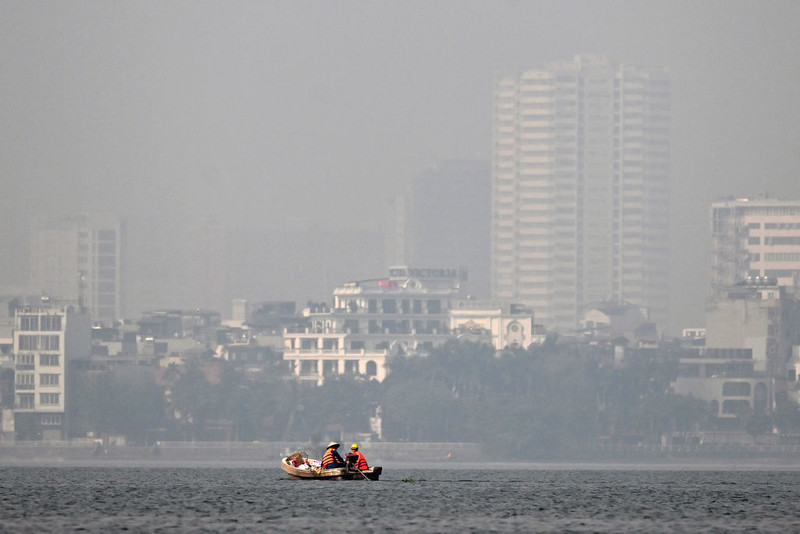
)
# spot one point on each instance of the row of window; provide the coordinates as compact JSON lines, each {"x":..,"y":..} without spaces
{"x":30,"y":342}
{"x":45,"y":379}
{"x":329,"y":367}
{"x":47,"y":323}
{"x":775,"y":240}
{"x":782,"y":256}
{"x":27,"y":400}
{"x":47,"y":360}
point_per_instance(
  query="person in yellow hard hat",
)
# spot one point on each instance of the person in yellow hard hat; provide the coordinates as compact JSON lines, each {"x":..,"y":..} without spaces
{"x":359,"y":462}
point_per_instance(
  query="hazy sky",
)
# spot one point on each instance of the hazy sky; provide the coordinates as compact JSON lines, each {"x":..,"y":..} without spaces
{"x":251,"y":113}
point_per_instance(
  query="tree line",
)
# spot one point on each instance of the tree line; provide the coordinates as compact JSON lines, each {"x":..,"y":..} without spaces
{"x":539,"y":401}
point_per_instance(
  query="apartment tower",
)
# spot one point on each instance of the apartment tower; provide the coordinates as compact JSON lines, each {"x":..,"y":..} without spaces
{"x":755,"y":238}
{"x":80,"y":258}
{"x":580,"y":201}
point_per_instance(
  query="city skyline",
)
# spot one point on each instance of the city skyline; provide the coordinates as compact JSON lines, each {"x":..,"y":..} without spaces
{"x":264,"y":117}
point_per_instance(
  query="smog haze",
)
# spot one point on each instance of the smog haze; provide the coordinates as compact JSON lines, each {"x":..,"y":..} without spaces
{"x":307,"y":117}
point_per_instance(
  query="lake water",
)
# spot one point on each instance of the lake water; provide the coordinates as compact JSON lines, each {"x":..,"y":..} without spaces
{"x":525,"y":499}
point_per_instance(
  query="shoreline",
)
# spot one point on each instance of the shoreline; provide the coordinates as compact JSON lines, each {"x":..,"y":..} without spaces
{"x":391,"y":455}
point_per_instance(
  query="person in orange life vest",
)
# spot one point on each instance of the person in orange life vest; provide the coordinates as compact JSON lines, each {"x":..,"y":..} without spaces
{"x":359,"y":462}
{"x":331,"y":459}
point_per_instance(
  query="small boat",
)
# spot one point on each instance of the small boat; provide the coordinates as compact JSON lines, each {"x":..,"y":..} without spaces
{"x":299,"y":466}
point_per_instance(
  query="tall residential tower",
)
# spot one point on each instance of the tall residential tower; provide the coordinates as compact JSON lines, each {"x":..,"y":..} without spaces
{"x":580,"y":205}
{"x":80,"y":258}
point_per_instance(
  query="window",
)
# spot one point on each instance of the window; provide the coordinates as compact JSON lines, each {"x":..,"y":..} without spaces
{"x":49,"y":360}
{"x":372,"y":306}
{"x":28,"y":342}
{"x":389,"y":306}
{"x":782,"y":240}
{"x":48,"y":343}
{"x":48,"y":379}
{"x":782,"y":256}
{"x":51,"y":323}
{"x":49,"y":399}
{"x":780,"y":273}
{"x":753,"y":240}
{"x":434,"y":306}
{"x":372,"y":368}
{"x":29,"y":322}
{"x":50,"y":420}
{"x":25,"y":401}
{"x":25,"y":359}
{"x":24,"y":381}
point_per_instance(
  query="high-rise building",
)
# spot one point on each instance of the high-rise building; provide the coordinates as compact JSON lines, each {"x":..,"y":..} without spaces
{"x":580,"y":208}
{"x":755,"y":238}
{"x":81,"y":258}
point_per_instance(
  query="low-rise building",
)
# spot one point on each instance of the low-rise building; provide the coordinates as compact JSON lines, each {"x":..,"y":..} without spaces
{"x":46,"y":337}
{"x":405,"y":312}
{"x":411,"y":311}
{"x":500,"y":324}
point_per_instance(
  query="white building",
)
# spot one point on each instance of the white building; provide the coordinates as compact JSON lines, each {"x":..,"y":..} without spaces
{"x":46,"y":338}
{"x":756,"y":238}
{"x":81,"y":258}
{"x":581,"y":166}
{"x":406,"y":312}
{"x":500,"y":324}
{"x":411,"y":311}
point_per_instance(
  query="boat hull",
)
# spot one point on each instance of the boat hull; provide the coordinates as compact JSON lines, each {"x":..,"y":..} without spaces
{"x":342,"y":473}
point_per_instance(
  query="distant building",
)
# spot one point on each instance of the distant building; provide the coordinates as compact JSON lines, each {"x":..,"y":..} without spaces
{"x":46,"y":338}
{"x":411,"y":311}
{"x":404,"y":312}
{"x":580,"y":170}
{"x":81,"y":258}
{"x":727,"y":378}
{"x":751,"y":329}
{"x":239,"y":311}
{"x":610,"y":320}
{"x":499,"y":324}
{"x":755,"y":238}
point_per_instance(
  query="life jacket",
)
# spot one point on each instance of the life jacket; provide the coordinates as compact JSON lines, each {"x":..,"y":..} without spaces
{"x":361,"y":462}
{"x":331,"y":457}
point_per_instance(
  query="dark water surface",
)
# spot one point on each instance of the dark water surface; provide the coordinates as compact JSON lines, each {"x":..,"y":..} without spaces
{"x":181,"y":499}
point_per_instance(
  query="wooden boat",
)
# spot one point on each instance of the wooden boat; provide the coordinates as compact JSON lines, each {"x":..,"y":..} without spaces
{"x":310,"y":470}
